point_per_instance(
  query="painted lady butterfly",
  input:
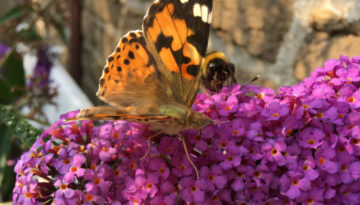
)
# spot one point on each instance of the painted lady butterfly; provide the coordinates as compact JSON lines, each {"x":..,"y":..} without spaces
{"x":154,"y":74}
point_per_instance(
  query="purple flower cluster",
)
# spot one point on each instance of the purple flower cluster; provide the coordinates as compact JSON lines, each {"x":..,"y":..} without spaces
{"x":40,"y":77}
{"x":4,"y":49}
{"x":299,"y":146}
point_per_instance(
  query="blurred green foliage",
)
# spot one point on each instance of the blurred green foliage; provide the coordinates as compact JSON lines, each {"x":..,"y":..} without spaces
{"x":19,"y":25}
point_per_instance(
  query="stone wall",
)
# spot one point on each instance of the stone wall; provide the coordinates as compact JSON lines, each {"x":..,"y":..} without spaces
{"x":282,"y":40}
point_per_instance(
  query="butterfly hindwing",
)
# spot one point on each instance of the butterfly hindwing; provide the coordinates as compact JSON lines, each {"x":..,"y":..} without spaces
{"x":113,"y":113}
{"x":157,"y":120}
{"x":177,"y":32}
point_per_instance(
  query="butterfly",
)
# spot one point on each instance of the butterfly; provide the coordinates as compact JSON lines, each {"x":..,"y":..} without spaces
{"x":154,"y":74}
{"x":217,"y":70}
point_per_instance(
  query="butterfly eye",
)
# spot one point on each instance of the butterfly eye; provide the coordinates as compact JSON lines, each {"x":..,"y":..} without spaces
{"x":217,"y":64}
{"x":219,"y":69}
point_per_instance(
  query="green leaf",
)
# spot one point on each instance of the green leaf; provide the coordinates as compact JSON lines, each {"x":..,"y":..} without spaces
{"x":14,"y":69}
{"x":19,"y":127}
{"x":14,"y":13}
{"x":5,"y":145}
{"x":8,"y":183}
{"x":12,"y":77}
{"x":6,"y":96}
{"x":5,"y":89}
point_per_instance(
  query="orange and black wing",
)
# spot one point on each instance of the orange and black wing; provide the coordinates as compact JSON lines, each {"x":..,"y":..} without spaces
{"x":177,"y":33}
{"x":130,"y":80}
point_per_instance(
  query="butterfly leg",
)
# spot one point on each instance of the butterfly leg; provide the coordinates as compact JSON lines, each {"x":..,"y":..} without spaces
{"x":202,"y":87}
{"x":188,"y":156}
{"x":149,"y":145}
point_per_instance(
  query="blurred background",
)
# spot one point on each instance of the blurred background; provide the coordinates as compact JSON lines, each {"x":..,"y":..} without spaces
{"x":282,"y":40}
{"x":44,"y":42}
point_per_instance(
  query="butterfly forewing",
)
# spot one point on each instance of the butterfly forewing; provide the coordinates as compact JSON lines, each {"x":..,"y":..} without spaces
{"x":177,"y":34}
{"x":130,"y":78}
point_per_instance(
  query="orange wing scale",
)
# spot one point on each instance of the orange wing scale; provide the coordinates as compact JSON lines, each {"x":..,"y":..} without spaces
{"x":127,"y":62}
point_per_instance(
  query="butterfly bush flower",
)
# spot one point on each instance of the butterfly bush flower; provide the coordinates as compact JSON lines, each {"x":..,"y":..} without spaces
{"x":40,"y":78}
{"x":300,"y":145}
{"x":4,"y":49}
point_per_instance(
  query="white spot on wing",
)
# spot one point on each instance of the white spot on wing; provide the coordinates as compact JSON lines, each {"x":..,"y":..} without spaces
{"x":210,"y":17}
{"x":204,"y":13}
{"x":184,"y":1}
{"x":197,"y":10}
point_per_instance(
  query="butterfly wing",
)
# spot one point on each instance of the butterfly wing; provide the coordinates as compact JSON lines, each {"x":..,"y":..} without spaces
{"x":113,"y":113}
{"x":130,"y":80}
{"x":176,"y":32}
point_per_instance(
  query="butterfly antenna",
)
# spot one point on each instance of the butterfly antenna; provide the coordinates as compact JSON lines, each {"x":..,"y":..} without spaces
{"x":219,"y":122}
{"x":188,"y":156}
{"x":253,"y":79}
{"x":149,"y":145}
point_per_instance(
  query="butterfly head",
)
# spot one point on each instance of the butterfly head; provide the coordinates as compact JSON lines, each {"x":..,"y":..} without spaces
{"x":217,"y":69}
{"x":196,"y":120}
